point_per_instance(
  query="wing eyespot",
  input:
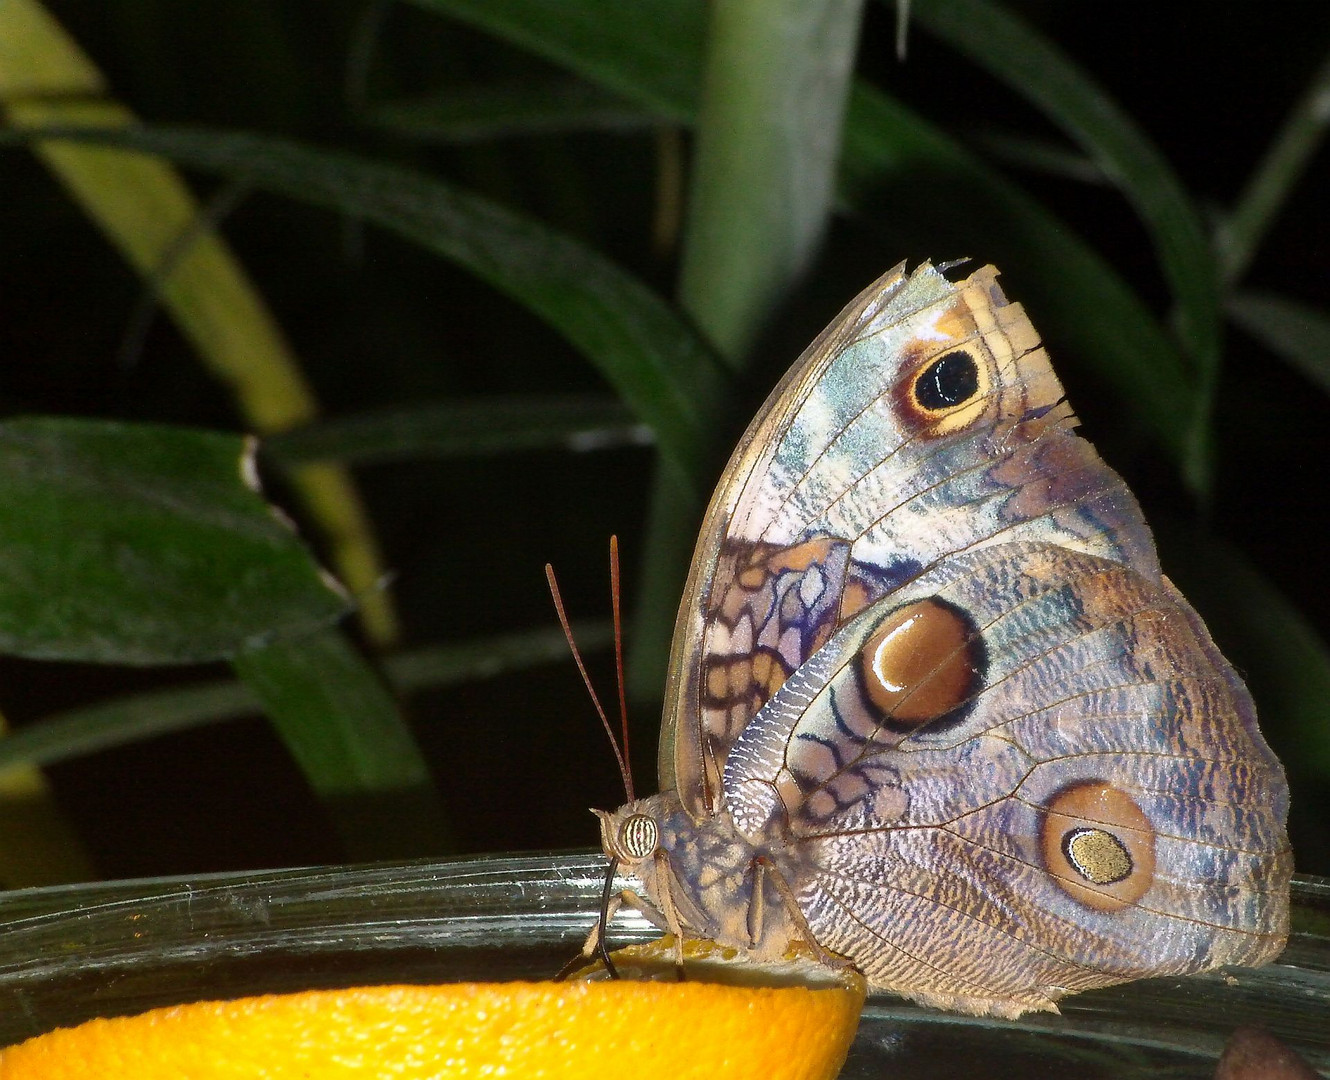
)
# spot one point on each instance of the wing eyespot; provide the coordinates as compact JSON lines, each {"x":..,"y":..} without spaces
{"x":923,"y":663}
{"x":1097,"y":855}
{"x":1098,"y":845}
{"x":947,"y":383}
{"x":947,"y":393}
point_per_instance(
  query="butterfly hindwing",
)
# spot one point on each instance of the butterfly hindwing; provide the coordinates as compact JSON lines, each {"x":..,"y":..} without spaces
{"x":1057,"y":784}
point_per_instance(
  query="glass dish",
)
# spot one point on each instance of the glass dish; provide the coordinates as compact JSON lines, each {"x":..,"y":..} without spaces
{"x":74,"y":952}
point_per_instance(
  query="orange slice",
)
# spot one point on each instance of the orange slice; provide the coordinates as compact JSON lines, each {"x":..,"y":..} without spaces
{"x":638,"y":1027}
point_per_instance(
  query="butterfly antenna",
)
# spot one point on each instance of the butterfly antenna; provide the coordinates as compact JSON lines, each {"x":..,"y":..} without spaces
{"x":618,"y":663}
{"x":586,"y":679}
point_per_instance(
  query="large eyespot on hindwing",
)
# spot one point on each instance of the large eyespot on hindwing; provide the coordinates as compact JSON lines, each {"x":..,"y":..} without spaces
{"x":924,"y":662}
{"x":947,"y":392}
{"x":1098,"y":845}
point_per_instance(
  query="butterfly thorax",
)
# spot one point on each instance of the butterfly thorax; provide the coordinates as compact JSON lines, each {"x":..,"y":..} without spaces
{"x":703,"y":875}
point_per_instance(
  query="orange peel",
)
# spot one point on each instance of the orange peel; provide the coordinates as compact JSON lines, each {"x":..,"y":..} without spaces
{"x":726,"y":1020}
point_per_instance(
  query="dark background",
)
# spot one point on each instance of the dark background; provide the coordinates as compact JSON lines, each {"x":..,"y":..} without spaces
{"x":378,"y":322}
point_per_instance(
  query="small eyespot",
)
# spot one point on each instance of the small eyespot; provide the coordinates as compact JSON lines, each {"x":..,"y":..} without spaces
{"x":923,"y":662}
{"x":946,"y":394}
{"x":1098,"y":845}
{"x":949,"y":381}
{"x":638,"y":836}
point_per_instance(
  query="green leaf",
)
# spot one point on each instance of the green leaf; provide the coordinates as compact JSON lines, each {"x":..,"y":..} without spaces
{"x":649,"y":51}
{"x":1292,"y":331}
{"x":477,"y":113}
{"x":1043,"y":156}
{"x":671,"y":531}
{"x":78,"y":732}
{"x":1284,"y":163}
{"x":487,"y":658}
{"x":146,"y":211}
{"x":767,"y":147}
{"x":342,"y":727}
{"x":73,"y":734}
{"x":1012,"y":51}
{"x":656,"y":363}
{"x":465,"y":428}
{"x":136,"y":544}
{"x":894,"y":160}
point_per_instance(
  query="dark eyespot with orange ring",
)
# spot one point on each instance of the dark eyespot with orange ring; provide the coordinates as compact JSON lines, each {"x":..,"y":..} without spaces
{"x":950,"y":380}
{"x":946,"y":393}
{"x":923,"y":663}
{"x":1098,"y":845}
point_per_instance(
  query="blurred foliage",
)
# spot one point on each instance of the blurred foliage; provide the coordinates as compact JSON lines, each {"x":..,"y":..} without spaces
{"x":468,"y":219}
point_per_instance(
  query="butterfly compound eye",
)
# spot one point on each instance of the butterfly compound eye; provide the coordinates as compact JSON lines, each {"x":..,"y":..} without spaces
{"x":638,"y":836}
{"x":1098,"y":845}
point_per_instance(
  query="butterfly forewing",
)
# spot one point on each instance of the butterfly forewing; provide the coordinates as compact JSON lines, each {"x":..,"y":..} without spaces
{"x":926,"y":420}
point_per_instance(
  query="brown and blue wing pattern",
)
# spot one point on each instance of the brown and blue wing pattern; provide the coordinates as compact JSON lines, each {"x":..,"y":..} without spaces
{"x":933,"y":707}
{"x":848,"y":454}
{"x":933,"y":851}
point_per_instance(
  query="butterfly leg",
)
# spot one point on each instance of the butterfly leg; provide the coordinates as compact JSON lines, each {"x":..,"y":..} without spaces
{"x":663,"y":917}
{"x":757,"y":905}
{"x":626,"y":898}
{"x":668,"y":911}
{"x":592,"y":943}
{"x":644,"y":907}
{"x":764,"y":868}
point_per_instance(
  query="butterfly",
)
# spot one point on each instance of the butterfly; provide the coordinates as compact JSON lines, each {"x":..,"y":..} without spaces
{"x":933,"y":710}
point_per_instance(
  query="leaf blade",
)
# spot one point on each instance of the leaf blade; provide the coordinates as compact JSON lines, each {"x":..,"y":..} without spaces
{"x":490,"y":425}
{"x":658,"y":365}
{"x":146,"y":211}
{"x":603,"y":41}
{"x":137,"y":544}
{"x":767,"y":147}
{"x":1082,"y":297}
{"x":1274,"y":178}
{"x":344,"y":730}
{"x":1295,"y":332}
{"x":74,"y":733}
